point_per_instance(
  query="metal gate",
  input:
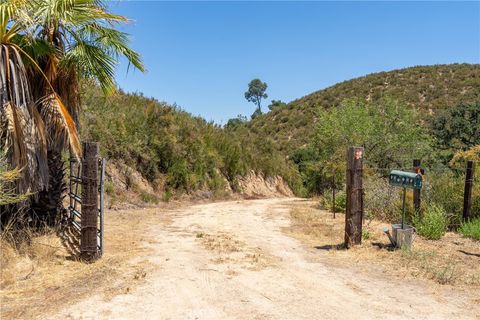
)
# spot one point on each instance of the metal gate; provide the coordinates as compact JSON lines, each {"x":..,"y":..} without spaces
{"x":77,"y":226}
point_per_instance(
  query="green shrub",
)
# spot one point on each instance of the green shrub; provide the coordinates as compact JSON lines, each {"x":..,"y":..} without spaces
{"x":149,"y":197}
{"x":471,"y":229}
{"x":340,"y":201}
{"x":433,"y":224}
{"x":365,"y":234}
{"x":386,"y":129}
{"x":445,"y":188}
{"x":109,"y":188}
{"x":167,"y":196}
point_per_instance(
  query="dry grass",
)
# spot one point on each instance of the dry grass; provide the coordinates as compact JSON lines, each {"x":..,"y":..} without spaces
{"x":40,"y":277}
{"x":452,"y":260}
{"x":229,"y":250}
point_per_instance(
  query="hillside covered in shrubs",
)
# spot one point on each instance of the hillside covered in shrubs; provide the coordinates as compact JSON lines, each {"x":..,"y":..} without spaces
{"x":174,"y":151}
{"x":427,"y":89}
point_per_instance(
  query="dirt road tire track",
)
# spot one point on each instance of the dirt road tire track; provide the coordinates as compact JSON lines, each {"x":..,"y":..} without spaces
{"x":247,"y":268}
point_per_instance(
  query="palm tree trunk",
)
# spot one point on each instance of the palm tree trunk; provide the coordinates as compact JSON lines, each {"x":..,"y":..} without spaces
{"x":48,"y":207}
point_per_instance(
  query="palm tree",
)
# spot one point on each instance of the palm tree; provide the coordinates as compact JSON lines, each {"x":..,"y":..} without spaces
{"x":87,"y":45}
{"x":71,"y":40}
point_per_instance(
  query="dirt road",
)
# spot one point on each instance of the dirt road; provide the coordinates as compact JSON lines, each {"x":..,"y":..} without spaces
{"x":231,"y":260}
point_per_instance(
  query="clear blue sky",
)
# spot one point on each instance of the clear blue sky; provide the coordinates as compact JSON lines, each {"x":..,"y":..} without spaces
{"x":201,"y":55}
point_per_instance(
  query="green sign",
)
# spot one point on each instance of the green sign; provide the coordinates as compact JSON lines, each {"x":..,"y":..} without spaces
{"x":405,"y":179}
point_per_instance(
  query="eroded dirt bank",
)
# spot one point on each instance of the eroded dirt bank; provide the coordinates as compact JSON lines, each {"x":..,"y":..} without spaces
{"x":231,"y":260}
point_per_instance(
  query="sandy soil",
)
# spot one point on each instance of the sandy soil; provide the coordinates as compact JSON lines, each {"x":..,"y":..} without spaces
{"x":231,"y":260}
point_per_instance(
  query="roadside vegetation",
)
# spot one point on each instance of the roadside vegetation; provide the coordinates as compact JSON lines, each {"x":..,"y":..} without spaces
{"x":451,"y":261}
{"x":471,"y":229}
{"x":175,"y":151}
{"x":432,"y":224}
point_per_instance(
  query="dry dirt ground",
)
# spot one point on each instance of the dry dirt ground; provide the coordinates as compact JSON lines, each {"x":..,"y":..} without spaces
{"x":233,"y":260}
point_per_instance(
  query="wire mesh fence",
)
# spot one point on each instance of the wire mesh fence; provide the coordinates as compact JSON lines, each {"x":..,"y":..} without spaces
{"x":442,"y":186}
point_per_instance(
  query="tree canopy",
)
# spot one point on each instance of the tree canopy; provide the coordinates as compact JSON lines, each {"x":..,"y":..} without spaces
{"x":458,"y":128}
{"x":389,"y":132}
{"x":256,"y":92}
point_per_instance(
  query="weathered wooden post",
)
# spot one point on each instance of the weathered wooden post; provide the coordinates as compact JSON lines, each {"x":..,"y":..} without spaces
{"x":333,"y":194}
{"x":467,"y":195}
{"x":89,"y":219}
{"x":416,"y":192}
{"x":354,"y":210}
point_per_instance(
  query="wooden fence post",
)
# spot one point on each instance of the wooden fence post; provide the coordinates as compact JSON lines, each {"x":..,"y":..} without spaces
{"x":416,"y":192}
{"x":333,"y":194}
{"x":354,"y":210}
{"x":89,"y":219}
{"x":467,"y":195}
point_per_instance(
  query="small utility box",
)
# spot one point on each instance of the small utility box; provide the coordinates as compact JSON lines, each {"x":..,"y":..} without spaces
{"x":403,"y":233}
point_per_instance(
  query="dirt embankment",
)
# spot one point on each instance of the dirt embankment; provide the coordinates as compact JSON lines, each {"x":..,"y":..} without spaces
{"x":126,"y":186}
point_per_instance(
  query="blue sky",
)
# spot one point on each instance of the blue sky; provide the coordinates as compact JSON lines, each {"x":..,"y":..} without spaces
{"x":201,"y":55}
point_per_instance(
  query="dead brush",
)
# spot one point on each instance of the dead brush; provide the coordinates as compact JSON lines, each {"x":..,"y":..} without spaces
{"x":452,"y":260}
{"x":24,"y":249}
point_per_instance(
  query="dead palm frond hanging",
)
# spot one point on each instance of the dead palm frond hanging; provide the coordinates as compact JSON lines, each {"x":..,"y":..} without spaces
{"x":59,"y":123}
{"x":22,"y":131}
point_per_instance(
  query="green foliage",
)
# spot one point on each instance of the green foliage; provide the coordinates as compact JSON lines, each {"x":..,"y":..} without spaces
{"x":315,"y":178}
{"x":389,"y":132}
{"x":365,"y":234}
{"x":433,"y":224}
{"x":235,"y":122}
{"x":340,"y":200}
{"x":8,"y":195}
{"x":167,"y":196}
{"x":445,"y":188}
{"x":149,"y":197}
{"x":109,"y":188}
{"x":256,"y":92}
{"x":276,"y":104}
{"x":457,"y":128}
{"x":426,"y":89}
{"x":471,"y":229}
{"x":162,"y":142}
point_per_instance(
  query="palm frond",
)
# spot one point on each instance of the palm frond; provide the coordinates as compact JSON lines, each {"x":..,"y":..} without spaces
{"x":112,"y":41}
{"x":59,"y":124}
{"x":36,"y":49}
{"x":93,"y":63}
{"x":83,"y":31}
{"x":15,"y":18}
{"x":20,"y":128}
{"x":8,"y":177}
{"x":13,"y":127}
{"x":72,"y":12}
